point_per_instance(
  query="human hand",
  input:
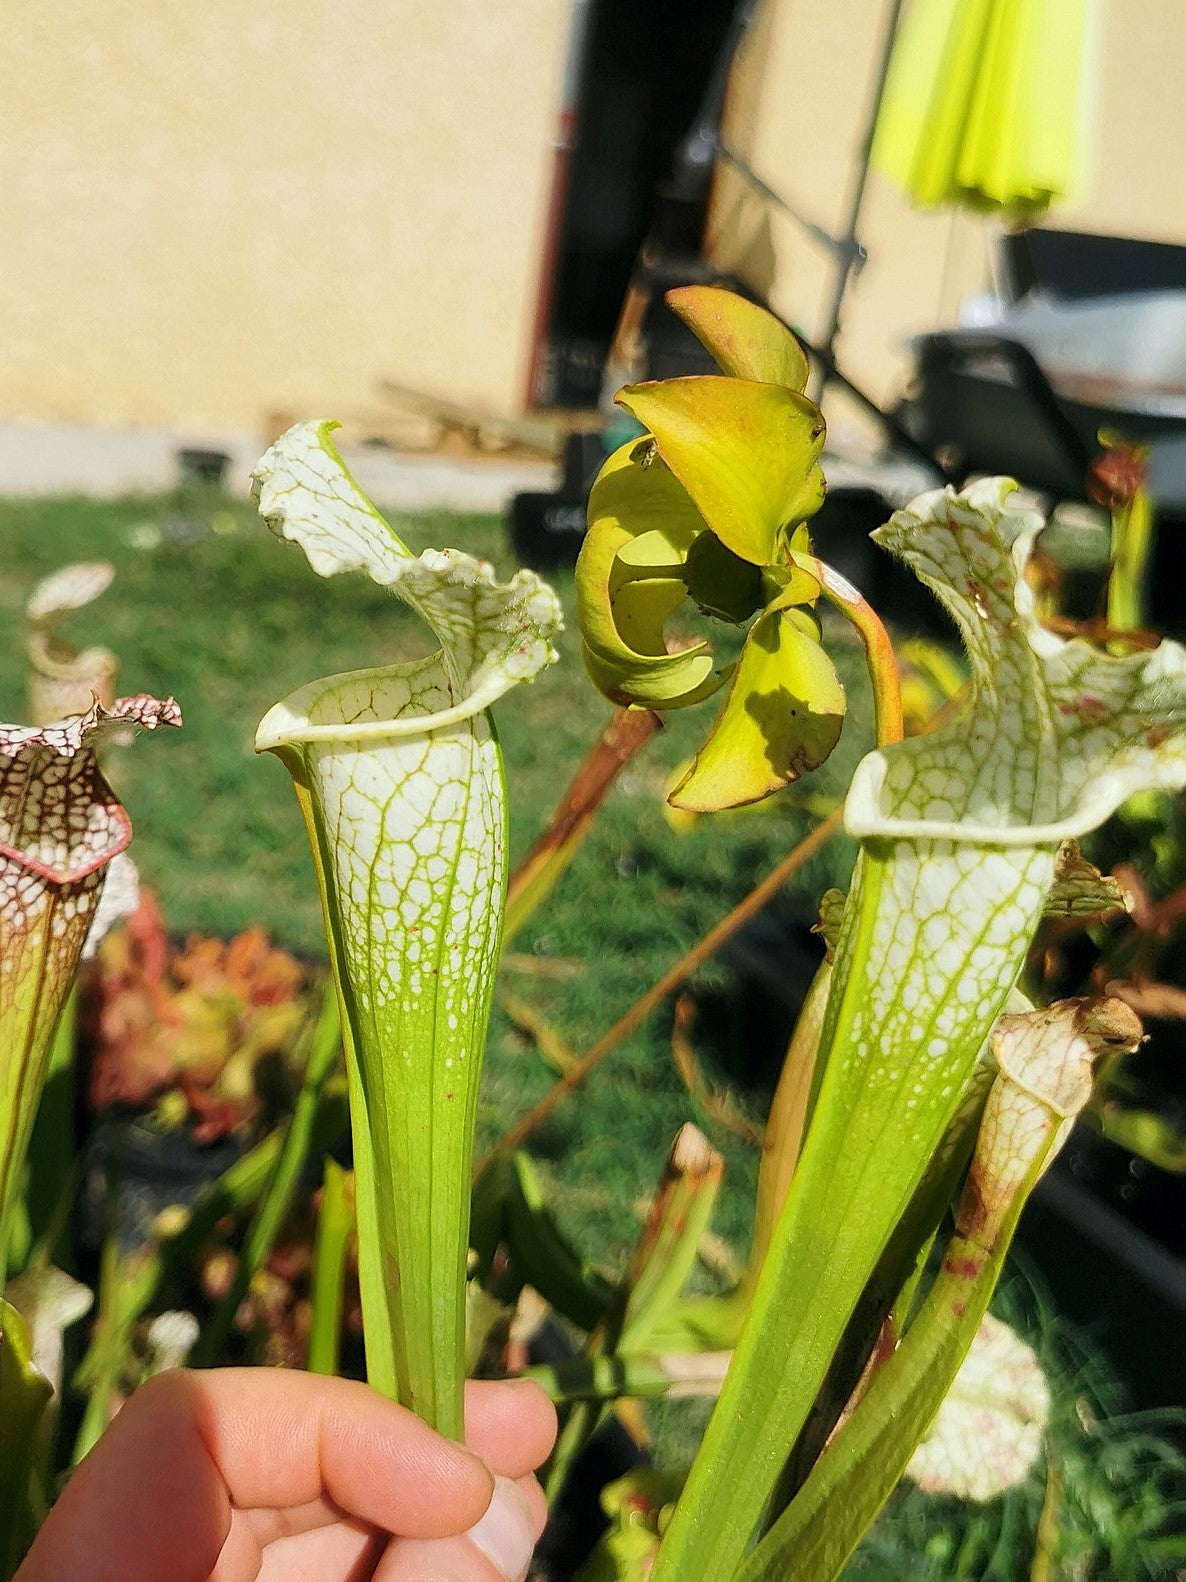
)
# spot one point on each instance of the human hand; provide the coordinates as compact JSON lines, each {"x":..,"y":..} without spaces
{"x":270,"y":1475}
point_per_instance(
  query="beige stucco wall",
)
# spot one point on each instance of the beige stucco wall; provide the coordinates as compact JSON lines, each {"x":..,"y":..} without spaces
{"x":213,"y":212}
{"x":799,"y":102}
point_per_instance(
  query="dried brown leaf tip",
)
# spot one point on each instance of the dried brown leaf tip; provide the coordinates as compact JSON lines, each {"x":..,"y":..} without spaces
{"x":1049,"y":1054}
{"x":692,"y":1154}
{"x":1080,"y":889}
{"x":1045,"y":1061}
{"x":1111,"y":1026}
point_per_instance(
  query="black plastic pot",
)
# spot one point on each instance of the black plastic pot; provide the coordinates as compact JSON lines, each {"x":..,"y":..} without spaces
{"x":576,"y":1520}
{"x":133,"y":1171}
{"x":200,"y":467}
{"x":1125,"y":1287}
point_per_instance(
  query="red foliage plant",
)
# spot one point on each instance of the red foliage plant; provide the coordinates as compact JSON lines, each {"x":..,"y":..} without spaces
{"x":206,"y":1020}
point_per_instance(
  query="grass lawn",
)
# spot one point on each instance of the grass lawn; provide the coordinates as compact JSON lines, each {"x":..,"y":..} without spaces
{"x":230,"y":620}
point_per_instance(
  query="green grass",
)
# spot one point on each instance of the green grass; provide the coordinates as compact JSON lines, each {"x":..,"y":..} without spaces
{"x":230,"y":621}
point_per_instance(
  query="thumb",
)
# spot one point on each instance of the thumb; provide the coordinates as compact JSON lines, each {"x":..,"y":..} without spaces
{"x":498,"y":1548}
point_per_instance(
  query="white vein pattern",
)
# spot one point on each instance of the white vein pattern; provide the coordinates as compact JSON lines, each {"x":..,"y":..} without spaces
{"x":969,"y":819}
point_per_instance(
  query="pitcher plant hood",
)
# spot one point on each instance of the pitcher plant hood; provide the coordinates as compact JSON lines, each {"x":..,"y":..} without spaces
{"x":1057,"y":732}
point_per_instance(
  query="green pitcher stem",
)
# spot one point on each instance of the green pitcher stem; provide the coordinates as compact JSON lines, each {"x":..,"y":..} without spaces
{"x":1044,"y":1061}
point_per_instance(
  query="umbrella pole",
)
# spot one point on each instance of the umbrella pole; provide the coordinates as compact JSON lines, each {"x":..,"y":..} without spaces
{"x":849,"y":252}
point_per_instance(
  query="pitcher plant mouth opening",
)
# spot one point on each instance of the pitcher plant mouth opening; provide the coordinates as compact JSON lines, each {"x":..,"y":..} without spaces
{"x":293,"y":722}
{"x":471,"y":677}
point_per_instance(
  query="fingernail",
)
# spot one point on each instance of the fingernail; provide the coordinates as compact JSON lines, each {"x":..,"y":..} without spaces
{"x":506,"y":1534}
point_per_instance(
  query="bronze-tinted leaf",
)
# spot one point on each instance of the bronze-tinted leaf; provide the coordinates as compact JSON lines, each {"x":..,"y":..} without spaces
{"x":746,"y":340}
{"x":782,"y":717}
{"x":746,"y":453}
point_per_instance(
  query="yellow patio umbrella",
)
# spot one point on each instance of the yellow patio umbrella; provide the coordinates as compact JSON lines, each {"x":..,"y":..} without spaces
{"x":987,"y":103}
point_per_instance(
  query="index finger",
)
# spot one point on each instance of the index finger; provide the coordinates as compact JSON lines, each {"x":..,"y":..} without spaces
{"x":281,"y":1437}
{"x":510,"y":1423}
{"x":189,"y":1447}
